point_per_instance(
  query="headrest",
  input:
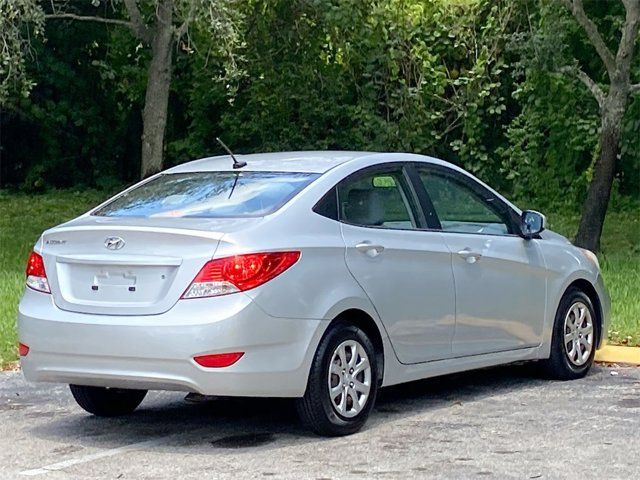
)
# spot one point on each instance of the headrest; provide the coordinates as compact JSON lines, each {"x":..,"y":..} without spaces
{"x":364,"y":207}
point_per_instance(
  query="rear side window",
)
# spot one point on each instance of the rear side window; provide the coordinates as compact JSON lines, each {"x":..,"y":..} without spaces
{"x":328,"y":205}
{"x":376,"y":199}
{"x":209,"y":195}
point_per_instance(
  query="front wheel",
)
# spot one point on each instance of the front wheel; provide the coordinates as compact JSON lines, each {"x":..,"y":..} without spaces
{"x":107,"y":402}
{"x":342,"y":384}
{"x":573,"y":345}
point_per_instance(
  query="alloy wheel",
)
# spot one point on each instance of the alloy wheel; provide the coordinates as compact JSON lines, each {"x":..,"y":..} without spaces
{"x":349,"y":379}
{"x":578,"y":334}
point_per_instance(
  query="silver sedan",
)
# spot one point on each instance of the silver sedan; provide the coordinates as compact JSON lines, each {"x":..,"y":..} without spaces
{"x":321,"y":276}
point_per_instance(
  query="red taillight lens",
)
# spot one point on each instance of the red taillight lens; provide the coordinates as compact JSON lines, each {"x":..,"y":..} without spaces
{"x":218,"y":360}
{"x":23,"y":350}
{"x":35,"y":265}
{"x":239,"y":273}
{"x":36,"y":275}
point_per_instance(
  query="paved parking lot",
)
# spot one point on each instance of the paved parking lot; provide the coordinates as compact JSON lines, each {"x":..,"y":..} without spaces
{"x":501,"y":423}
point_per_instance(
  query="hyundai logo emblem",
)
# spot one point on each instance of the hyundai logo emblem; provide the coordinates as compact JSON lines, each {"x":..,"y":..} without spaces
{"x":114,"y":243}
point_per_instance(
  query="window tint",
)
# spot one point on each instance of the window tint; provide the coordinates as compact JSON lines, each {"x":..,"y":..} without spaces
{"x":460,"y":208}
{"x":209,"y":195}
{"x":328,"y":205}
{"x":376,"y":200}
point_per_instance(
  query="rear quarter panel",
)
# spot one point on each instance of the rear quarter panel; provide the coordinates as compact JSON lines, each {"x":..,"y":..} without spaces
{"x":319,"y":286}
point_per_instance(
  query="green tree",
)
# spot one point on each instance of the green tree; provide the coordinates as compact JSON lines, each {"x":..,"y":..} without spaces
{"x":408,"y":75}
{"x":76,"y":128}
{"x":19,"y":21}
{"x":612,"y":99}
{"x":162,"y":26}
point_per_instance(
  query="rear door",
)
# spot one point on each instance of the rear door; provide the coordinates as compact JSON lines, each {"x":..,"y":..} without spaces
{"x":500,"y":278}
{"x":404,"y":268}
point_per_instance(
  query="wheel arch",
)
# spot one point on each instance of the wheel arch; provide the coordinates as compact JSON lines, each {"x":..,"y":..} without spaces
{"x":367,"y":324}
{"x":589,"y":290}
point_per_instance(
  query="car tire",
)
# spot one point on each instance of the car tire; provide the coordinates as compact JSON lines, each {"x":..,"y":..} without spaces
{"x":575,"y":330}
{"x":342,"y":384}
{"x":107,"y":402}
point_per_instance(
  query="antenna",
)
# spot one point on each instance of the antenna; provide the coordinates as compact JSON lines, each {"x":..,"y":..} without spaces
{"x":236,"y":163}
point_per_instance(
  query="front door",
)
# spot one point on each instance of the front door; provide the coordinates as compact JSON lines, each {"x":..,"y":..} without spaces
{"x":500,"y":278}
{"x":405,"y":271}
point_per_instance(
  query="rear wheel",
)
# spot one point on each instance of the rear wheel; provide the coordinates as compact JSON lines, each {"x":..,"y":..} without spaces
{"x":573,"y":346}
{"x":342,"y":384}
{"x":107,"y":402}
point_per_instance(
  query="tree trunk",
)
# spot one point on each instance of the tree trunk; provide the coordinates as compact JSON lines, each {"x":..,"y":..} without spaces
{"x":154,"y":115}
{"x":595,"y":206}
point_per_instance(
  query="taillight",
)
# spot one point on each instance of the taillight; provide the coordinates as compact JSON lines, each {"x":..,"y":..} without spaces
{"x":239,"y":273}
{"x":36,"y":276}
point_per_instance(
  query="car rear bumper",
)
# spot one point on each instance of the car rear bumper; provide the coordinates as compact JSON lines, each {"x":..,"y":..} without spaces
{"x":156,"y":351}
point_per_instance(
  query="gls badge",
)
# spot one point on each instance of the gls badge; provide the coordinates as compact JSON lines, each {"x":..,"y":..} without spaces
{"x":114,"y":243}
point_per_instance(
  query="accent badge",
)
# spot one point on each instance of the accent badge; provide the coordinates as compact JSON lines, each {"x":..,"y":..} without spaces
{"x":114,"y":243}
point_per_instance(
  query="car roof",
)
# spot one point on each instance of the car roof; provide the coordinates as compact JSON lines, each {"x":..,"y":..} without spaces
{"x":311,"y":161}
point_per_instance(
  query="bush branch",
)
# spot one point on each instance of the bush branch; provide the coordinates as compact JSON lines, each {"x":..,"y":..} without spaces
{"x":593,"y":87}
{"x":577,"y":10}
{"x":88,"y":18}
{"x":139,"y":28}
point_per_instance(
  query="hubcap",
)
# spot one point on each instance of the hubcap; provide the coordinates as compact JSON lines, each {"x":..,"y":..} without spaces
{"x":349,"y":378}
{"x":578,"y":334}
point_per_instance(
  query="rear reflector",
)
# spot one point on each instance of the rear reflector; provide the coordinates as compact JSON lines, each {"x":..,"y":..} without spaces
{"x":23,"y":350}
{"x":218,"y":360}
{"x":239,"y":273}
{"x":36,"y":275}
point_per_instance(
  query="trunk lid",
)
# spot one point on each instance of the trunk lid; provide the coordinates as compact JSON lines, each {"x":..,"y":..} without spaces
{"x":129,"y":266}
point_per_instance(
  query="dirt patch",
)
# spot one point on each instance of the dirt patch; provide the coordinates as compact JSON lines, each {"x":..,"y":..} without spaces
{"x":10,"y":367}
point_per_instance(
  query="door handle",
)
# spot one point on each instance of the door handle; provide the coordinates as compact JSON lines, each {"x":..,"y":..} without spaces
{"x":369,"y":249}
{"x":469,"y":255}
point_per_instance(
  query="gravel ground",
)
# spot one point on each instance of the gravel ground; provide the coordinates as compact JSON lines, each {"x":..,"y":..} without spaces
{"x":502,"y":423}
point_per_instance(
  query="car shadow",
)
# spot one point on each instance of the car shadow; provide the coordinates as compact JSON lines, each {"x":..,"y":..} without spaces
{"x":237,"y":423}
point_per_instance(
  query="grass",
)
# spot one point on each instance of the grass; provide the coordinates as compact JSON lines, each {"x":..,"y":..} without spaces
{"x":22,"y":220}
{"x":24,"y":217}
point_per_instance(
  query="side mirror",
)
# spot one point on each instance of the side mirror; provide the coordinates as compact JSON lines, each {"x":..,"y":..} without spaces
{"x":532,"y":223}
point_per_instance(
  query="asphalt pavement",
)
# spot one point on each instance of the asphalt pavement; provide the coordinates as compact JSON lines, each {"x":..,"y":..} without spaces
{"x":495,"y":423}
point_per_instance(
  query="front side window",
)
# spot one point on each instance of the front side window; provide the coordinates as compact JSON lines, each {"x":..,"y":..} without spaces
{"x":461,"y":209}
{"x":208,"y":195}
{"x":376,"y":199}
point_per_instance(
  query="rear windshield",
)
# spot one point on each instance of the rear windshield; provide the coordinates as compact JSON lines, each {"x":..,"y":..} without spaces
{"x":208,"y":195}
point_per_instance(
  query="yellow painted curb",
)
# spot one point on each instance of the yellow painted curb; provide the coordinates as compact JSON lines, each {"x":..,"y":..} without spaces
{"x":615,"y":354}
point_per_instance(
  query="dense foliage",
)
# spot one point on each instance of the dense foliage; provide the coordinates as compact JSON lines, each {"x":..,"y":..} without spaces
{"x":471,"y":81}
{"x":19,"y":19}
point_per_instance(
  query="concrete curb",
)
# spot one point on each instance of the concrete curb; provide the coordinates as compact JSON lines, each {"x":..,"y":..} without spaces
{"x":617,"y":354}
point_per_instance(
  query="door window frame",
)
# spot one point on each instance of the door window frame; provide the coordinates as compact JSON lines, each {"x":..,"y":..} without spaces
{"x":407,"y":184}
{"x":420,"y":201}
{"x":489,"y":199}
